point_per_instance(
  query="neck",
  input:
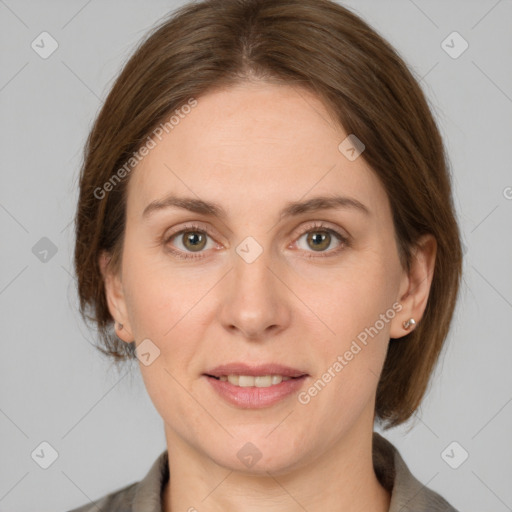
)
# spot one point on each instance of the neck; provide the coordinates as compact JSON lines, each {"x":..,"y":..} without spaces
{"x":341,"y":478}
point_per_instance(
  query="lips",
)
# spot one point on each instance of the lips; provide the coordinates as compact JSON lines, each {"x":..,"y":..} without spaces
{"x":255,"y":371}
{"x":247,"y":386}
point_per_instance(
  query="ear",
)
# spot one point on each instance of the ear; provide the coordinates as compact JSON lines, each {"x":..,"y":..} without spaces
{"x":415,"y":285}
{"x":115,"y":298}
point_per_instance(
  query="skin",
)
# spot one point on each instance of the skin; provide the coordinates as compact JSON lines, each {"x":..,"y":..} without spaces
{"x":252,"y":148}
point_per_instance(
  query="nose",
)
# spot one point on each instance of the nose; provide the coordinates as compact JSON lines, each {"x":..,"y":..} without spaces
{"x":255,"y":299}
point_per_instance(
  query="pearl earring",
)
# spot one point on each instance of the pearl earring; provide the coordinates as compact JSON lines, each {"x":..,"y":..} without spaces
{"x":409,"y":323}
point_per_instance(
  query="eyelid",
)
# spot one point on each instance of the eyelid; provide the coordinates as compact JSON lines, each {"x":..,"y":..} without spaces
{"x":189,"y":226}
{"x":320,"y":225}
{"x":340,"y":234}
{"x":343,"y":238}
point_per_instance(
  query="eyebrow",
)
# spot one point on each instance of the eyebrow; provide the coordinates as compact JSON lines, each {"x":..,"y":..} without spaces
{"x":294,"y":208}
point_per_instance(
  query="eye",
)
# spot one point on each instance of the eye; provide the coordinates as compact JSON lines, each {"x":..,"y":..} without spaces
{"x":319,"y":238}
{"x":194,"y":239}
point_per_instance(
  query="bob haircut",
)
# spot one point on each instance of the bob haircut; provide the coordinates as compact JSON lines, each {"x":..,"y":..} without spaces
{"x":367,"y":89}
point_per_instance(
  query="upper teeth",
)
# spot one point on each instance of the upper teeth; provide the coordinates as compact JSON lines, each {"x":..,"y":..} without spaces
{"x":245,"y":381}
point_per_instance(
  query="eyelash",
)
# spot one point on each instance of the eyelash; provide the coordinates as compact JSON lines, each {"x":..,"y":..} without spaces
{"x":316,"y":226}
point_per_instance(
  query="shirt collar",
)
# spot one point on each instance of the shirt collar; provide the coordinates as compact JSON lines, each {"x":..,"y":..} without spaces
{"x":407,"y":493}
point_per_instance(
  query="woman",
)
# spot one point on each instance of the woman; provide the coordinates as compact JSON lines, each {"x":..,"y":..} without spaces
{"x":265,"y":217}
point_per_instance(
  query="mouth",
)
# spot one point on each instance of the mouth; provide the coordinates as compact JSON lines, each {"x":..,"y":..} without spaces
{"x":242,"y":374}
{"x":258,"y":381}
{"x":255,"y":386}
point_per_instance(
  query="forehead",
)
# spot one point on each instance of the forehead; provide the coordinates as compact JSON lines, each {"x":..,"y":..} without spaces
{"x":261,"y":141}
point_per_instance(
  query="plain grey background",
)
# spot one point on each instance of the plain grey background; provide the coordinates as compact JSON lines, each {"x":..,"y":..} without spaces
{"x":55,"y":387}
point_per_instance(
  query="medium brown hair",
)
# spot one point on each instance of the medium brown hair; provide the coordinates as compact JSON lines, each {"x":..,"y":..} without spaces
{"x":368,"y":90}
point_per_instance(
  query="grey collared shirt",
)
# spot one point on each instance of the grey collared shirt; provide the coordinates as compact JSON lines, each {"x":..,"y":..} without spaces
{"x":407,"y":493}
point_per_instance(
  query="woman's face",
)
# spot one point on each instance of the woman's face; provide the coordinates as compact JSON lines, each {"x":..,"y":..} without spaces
{"x":255,"y":287}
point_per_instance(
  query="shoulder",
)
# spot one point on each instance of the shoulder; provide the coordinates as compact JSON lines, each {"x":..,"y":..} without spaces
{"x":142,"y":495}
{"x":407,"y":493}
{"x":120,"y":500}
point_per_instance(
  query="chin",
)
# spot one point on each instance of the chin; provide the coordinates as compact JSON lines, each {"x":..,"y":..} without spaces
{"x":258,"y":454}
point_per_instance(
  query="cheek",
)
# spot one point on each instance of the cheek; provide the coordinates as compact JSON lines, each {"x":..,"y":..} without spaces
{"x":358,"y":308}
{"x":150,"y":307}
{"x":153,"y":298}
{"x":163,"y":305}
{"x":351,"y":298}
{"x":162,"y":310}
